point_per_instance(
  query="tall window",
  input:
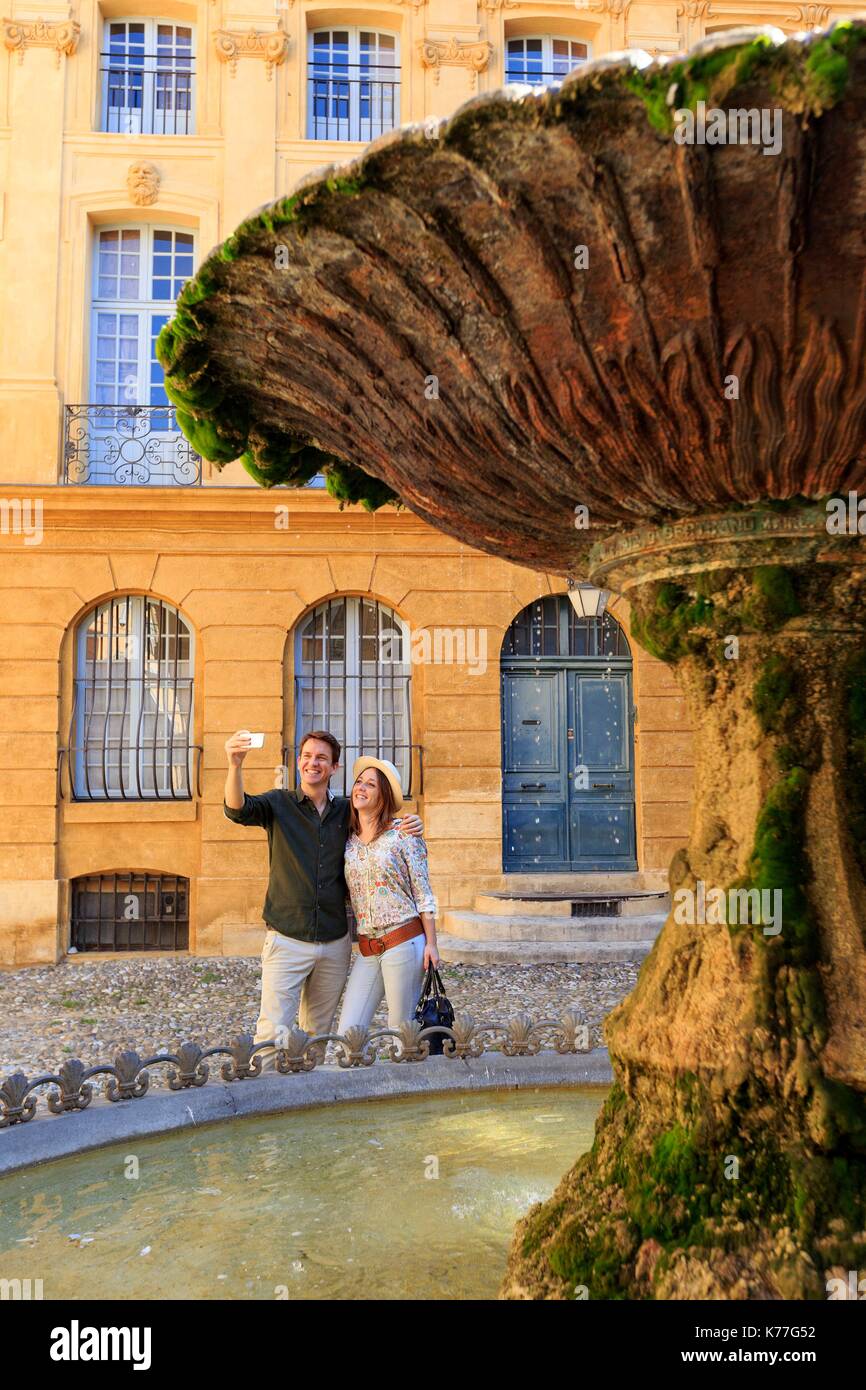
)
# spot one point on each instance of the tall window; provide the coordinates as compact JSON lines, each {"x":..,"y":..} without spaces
{"x":146,"y":72}
{"x":353,"y":84}
{"x":128,"y":433}
{"x":131,"y":727}
{"x":139,"y":272}
{"x":352,"y":677}
{"x":542,"y":58}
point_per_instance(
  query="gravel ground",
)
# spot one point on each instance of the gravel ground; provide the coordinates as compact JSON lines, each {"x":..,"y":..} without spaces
{"x":93,"y":1010}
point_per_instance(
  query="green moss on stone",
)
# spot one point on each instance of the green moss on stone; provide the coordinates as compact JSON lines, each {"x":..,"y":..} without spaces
{"x":208,"y":441}
{"x":773,"y":600}
{"x":775,"y":695}
{"x":665,"y":626}
{"x":349,"y":483}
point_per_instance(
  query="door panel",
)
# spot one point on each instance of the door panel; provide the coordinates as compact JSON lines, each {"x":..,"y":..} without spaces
{"x":567,"y":773}
{"x":532,"y":722}
{"x":601,"y":722}
{"x":601,"y":798}
{"x":535,"y":827}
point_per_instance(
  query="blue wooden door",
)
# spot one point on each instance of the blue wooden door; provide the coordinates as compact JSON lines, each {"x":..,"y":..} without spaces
{"x":567,"y":745}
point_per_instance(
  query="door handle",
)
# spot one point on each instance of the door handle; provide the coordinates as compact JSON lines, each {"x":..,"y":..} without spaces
{"x":603,"y":786}
{"x":533,"y":786}
{"x":530,"y":721}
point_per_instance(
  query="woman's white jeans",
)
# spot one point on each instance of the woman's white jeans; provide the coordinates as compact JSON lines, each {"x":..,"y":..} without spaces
{"x":398,"y":974}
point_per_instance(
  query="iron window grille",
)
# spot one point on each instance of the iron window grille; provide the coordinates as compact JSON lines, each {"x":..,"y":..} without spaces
{"x":551,"y":627}
{"x":131,"y":911}
{"x":353,"y":678}
{"x":130,"y":728}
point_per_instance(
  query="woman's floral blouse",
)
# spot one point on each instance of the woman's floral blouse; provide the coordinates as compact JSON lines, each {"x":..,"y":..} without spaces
{"x":388,"y":881}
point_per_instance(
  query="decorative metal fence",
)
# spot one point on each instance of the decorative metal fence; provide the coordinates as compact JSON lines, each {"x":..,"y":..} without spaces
{"x":135,"y":445}
{"x":128,"y":1078}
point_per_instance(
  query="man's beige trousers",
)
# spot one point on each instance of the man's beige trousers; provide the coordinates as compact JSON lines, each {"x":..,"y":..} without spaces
{"x":301,"y":980}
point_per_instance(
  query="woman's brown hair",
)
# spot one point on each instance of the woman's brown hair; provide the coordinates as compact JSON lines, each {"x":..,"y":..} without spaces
{"x":386,"y":810}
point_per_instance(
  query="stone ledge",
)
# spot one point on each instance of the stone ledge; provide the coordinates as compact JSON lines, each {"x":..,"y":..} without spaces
{"x":47,"y":1137}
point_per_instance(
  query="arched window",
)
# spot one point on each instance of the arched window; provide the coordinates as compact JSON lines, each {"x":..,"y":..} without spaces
{"x":146,"y":70}
{"x":353,"y":677}
{"x":353,"y":84}
{"x":132,"y":711}
{"x":128,"y":433}
{"x":541,"y":58}
{"x":551,"y":627}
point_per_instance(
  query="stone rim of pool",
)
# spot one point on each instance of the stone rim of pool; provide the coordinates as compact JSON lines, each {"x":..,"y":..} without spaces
{"x":105,"y":1122}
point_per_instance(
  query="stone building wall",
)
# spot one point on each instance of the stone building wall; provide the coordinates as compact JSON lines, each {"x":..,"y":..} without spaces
{"x":213,"y":549}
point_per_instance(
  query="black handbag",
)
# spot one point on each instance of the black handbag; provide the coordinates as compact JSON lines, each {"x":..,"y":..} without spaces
{"x":434,"y":1009}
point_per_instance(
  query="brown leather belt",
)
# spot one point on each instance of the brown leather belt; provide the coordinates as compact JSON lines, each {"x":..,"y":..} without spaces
{"x":378,"y":945}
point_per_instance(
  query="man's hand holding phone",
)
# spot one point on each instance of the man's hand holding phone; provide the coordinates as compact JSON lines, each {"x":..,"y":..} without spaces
{"x":240,"y":744}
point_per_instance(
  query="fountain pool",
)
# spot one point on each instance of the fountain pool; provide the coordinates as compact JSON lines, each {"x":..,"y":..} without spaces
{"x":340,"y":1201}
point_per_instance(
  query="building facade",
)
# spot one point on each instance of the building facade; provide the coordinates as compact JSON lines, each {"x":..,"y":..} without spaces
{"x":150,"y":606}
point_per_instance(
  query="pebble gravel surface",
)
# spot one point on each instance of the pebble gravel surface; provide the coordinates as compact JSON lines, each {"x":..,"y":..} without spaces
{"x":92,"y":1009}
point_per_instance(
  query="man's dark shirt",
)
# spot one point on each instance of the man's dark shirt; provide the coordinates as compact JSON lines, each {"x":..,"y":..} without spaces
{"x":306,"y":895}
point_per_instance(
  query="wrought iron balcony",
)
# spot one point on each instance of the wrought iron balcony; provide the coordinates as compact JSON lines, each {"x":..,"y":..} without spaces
{"x":136,"y":445}
{"x":147,"y":94}
{"x":352,"y":101}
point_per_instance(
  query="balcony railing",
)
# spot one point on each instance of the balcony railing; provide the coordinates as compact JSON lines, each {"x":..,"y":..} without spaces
{"x":147,"y":94}
{"x":137,"y":445}
{"x":533,"y":77}
{"x":105,"y":770}
{"x":352,"y":101}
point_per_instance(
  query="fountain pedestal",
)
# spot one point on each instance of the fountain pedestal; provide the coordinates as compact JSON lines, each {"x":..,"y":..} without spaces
{"x":730,"y":1158}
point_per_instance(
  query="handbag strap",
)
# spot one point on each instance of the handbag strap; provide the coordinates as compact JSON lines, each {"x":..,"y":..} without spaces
{"x":432,"y":985}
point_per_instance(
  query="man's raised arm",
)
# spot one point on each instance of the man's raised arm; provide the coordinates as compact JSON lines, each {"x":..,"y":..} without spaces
{"x":237,"y":748}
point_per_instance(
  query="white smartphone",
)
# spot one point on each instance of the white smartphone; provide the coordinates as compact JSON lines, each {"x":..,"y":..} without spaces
{"x":257,"y":740}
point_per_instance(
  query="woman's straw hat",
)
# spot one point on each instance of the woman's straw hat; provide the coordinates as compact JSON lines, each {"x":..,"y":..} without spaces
{"x":388,"y":770}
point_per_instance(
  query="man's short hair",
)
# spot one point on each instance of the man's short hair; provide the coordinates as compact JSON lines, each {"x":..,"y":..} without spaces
{"x":325,"y":737}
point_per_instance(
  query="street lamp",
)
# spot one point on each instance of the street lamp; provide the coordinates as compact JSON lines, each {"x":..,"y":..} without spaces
{"x":586,"y":600}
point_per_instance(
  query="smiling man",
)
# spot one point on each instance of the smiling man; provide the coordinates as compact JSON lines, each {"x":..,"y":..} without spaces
{"x":307,"y":948}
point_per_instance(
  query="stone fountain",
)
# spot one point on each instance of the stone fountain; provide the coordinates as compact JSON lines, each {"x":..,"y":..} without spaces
{"x":556,"y":332}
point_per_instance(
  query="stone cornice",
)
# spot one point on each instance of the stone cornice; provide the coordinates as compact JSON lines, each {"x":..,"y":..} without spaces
{"x":461,"y":53}
{"x":271,"y":45}
{"x":21,"y":34}
{"x":207,"y":508}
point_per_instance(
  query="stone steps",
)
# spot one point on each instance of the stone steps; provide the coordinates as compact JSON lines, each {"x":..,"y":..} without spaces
{"x":465,"y":951}
{"x":654,"y":880}
{"x":480,"y":926}
{"x":536,"y":903}
{"x":536,"y":919}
